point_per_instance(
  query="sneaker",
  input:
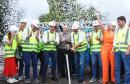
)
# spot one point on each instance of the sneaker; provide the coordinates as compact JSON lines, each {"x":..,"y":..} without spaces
{"x":10,"y":80}
{"x":20,"y":78}
{"x":100,"y":80}
{"x":27,"y":81}
{"x":15,"y":80}
{"x":92,"y":80}
{"x":36,"y":81}
{"x":74,"y":76}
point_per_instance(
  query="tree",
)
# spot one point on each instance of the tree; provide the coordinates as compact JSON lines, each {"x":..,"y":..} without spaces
{"x":63,"y":10}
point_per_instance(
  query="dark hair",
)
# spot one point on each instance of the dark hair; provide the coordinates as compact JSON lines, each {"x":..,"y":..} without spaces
{"x":122,"y":18}
{"x":9,"y":35}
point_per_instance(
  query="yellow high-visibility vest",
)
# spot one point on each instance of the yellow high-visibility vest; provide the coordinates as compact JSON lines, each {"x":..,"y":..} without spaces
{"x":84,"y":44}
{"x":95,"y":44}
{"x":121,"y":39}
{"x":31,"y":44}
{"x":10,"y":49}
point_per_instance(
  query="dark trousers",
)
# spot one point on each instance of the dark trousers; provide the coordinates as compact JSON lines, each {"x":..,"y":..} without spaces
{"x":41,"y":59}
{"x":20,"y":66}
{"x":62,"y":67}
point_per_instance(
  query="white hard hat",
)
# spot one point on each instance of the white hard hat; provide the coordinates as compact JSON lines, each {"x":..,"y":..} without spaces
{"x":52,"y":23}
{"x":113,"y":23}
{"x":13,"y":28}
{"x":75,"y":25}
{"x":23,"y":20}
{"x":35,"y":23}
{"x":95,"y":23}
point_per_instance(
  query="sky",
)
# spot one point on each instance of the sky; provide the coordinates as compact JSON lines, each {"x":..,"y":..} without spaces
{"x":114,"y":8}
{"x":111,"y":8}
{"x":32,"y":9}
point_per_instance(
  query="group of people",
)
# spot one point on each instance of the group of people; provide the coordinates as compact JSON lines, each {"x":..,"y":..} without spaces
{"x":109,"y":48}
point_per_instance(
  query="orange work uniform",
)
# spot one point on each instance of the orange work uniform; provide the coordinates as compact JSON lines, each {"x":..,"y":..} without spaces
{"x":107,"y":56}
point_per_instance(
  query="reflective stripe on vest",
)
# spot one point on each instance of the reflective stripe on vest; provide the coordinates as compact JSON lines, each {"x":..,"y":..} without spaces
{"x":123,"y":46}
{"x":83,"y":46}
{"x":96,"y":45}
{"x":30,"y":45}
{"x":9,"y":53}
{"x":51,"y":46}
{"x":10,"y":50}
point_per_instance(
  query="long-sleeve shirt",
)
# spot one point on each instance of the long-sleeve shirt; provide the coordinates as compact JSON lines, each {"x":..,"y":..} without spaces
{"x":65,"y":40}
{"x":81,"y":37}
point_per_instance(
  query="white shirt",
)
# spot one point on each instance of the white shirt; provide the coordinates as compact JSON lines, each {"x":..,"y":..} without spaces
{"x":25,"y":33}
{"x":81,"y":37}
{"x":45,"y":37}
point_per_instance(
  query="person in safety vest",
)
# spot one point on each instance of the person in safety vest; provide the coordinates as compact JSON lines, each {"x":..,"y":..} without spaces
{"x":22,"y":26}
{"x":29,"y":48}
{"x":10,"y":66}
{"x":122,"y":50}
{"x":107,"y":56}
{"x":79,"y":42}
{"x":50,"y":40}
{"x":95,"y":49}
{"x":40,"y":49}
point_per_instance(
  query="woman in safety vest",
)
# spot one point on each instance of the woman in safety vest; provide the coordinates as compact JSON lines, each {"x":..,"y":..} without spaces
{"x":10,"y":66}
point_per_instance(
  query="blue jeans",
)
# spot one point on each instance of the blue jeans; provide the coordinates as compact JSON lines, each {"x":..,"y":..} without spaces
{"x":87,"y":58}
{"x":79,"y":60}
{"x":30,"y":57}
{"x":96,"y":59}
{"x":53,"y":56}
{"x":126,"y":61}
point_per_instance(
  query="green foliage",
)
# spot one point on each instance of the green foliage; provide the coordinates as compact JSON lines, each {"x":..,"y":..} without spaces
{"x":73,"y":11}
